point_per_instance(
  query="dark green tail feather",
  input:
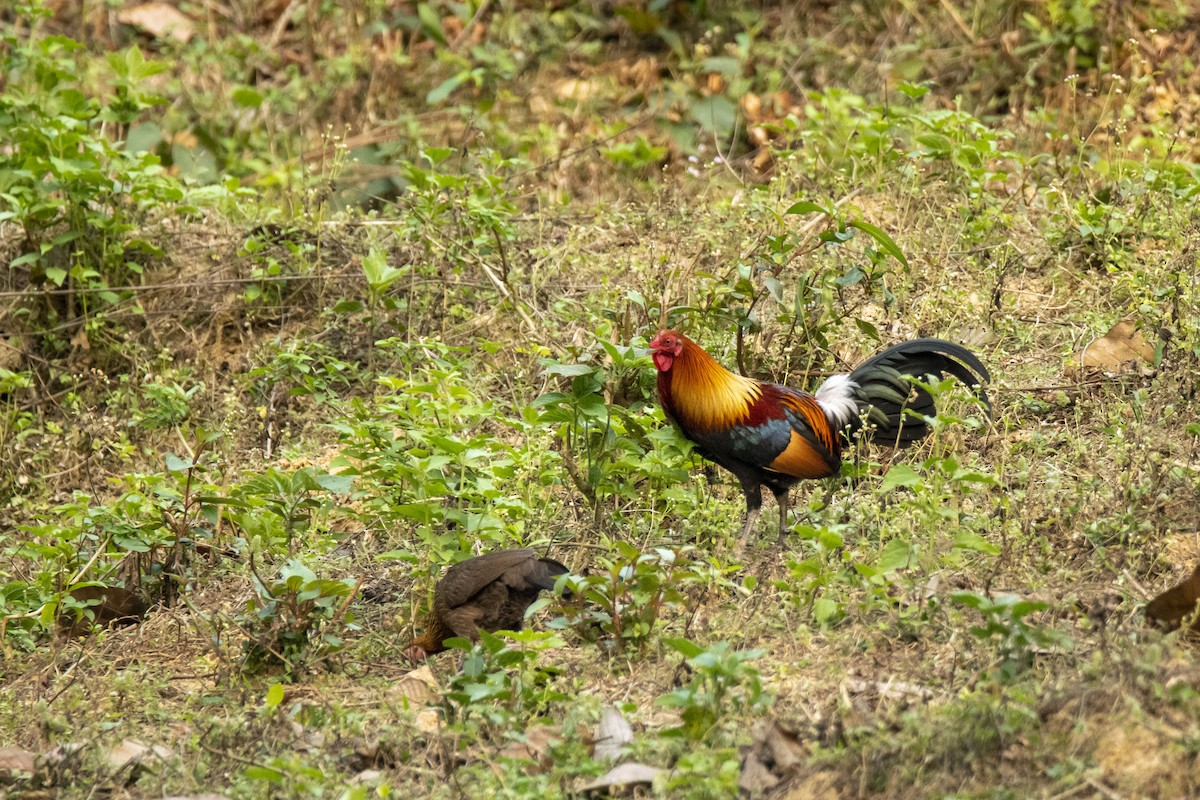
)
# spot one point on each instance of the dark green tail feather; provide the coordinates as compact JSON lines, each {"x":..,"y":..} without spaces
{"x":887,"y":396}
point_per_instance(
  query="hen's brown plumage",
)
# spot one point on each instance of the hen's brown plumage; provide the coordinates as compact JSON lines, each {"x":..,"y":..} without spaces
{"x":491,"y":592}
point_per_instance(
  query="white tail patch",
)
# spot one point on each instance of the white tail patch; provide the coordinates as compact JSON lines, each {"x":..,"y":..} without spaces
{"x":836,"y":396}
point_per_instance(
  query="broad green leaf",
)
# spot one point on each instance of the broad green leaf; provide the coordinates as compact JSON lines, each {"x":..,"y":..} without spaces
{"x":275,"y":695}
{"x":824,"y":610}
{"x":885,"y":242}
{"x":246,"y":97}
{"x":896,"y":554}
{"x":338,"y":484}
{"x":807,"y":207}
{"x":686,"y":647}
{"x":968,"y":540}
{"x":569,"y":370}
{"x":177,"y":464}
{"x":899,"y":475}
{"x":716,"y":113}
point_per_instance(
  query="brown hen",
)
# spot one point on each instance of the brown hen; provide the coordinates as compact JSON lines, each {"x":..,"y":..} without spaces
{"x":491,"y":592}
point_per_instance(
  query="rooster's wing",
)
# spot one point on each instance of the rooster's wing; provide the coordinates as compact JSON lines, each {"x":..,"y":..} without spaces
{"x":783,"y":431}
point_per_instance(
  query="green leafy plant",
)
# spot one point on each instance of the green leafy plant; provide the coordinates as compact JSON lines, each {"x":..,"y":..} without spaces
{"x":166,"y":404}
{"x":1006,"y":623}
{"x":291,"y":497}
{"x":502,"y":678}
{"x":628,"y":593}
{"x":295,"y":620}
{"x":75,"y":193}
{"x":724,"y":684}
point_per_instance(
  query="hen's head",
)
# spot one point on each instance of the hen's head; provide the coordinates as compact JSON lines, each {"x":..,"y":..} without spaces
{"x":414,"y":654}
{"x":665,"y":348}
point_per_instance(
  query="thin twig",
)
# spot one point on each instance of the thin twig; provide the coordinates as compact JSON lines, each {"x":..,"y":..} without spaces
{"x":281,"y":24}
{"x":479,"y":12}
{"x":337,"y":615}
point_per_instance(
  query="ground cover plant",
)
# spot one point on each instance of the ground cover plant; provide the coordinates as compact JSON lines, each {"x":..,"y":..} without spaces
{"x":304,"y":302}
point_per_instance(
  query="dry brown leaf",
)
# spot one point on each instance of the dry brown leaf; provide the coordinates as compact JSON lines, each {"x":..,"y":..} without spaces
{"x":535,"y":747}
{"x":417,"y":687}
{"x":817,"y":786}
{"x":1174,"y":605}
{"x":752,"y":106}
{"x":135,"y":756}
{"x":773,"y":757}
{"x":623,"y":776}
{"x":577,"y":89}
{"x":12,"y":762}
{"x":1121,"y":350}
{"x":890,"y":690}
{"x":159,"y":20}
{"x":756,"y":778}
{"x":612,"y":734}
{"x":428,"y":721}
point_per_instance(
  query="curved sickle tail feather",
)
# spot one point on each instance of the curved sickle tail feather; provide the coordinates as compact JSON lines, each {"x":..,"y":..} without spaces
{"x":886,"y":395}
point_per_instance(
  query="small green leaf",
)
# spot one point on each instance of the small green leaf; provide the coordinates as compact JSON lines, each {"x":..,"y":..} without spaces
{"x":970,"y":599}
{"x":775,"y":288}
{"x":431,"y":23}
{"x":686,"y":647}
{"x":275,"y":695}
{"x":896,"y":554}
{"x":247,"y":97}
{"x":968,"y":540}
{"x":824,"y":610}
{"x":900,"y":475}
{"x":56,"y":274}
{"x":446,"y":88}
{"x":177,"y":464}
{"x":807,"y":207}
{"x":885,"y":242}
{"x":264,"y":774}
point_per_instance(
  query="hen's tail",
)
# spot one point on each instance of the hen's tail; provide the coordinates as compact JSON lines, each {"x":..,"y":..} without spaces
{"x":886,"y":396}
{"x":545,"y":573}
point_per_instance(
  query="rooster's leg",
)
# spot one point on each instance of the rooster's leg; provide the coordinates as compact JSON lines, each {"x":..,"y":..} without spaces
{"x":781,"y":497}
{"x":753,"y":509}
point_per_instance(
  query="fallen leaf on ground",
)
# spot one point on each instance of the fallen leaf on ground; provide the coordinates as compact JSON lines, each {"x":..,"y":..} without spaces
{"x":612,"y":734}
{"x":159,"y":20}
{"x":772,"y":758}
{"x":535,"y":746}
{"x":428,"y":721}
{"x":417,"y":687}
{"x":892,"y":690}
{"x":623,"y":776}
{"x":12,"y":762}
{"x":132,"y":753}
{"x":1171,"y":607}
{"x":1122,"y":350}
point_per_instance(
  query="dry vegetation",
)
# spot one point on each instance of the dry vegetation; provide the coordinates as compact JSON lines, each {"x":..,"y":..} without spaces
{"x":383,"y":306}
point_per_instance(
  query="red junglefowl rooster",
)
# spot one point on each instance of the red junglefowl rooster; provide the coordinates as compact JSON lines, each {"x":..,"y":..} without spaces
{"x":491,"y":592}
{"x":773,"y":436}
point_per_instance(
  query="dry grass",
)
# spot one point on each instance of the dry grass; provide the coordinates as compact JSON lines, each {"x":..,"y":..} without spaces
{"x":1093,"y":508}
